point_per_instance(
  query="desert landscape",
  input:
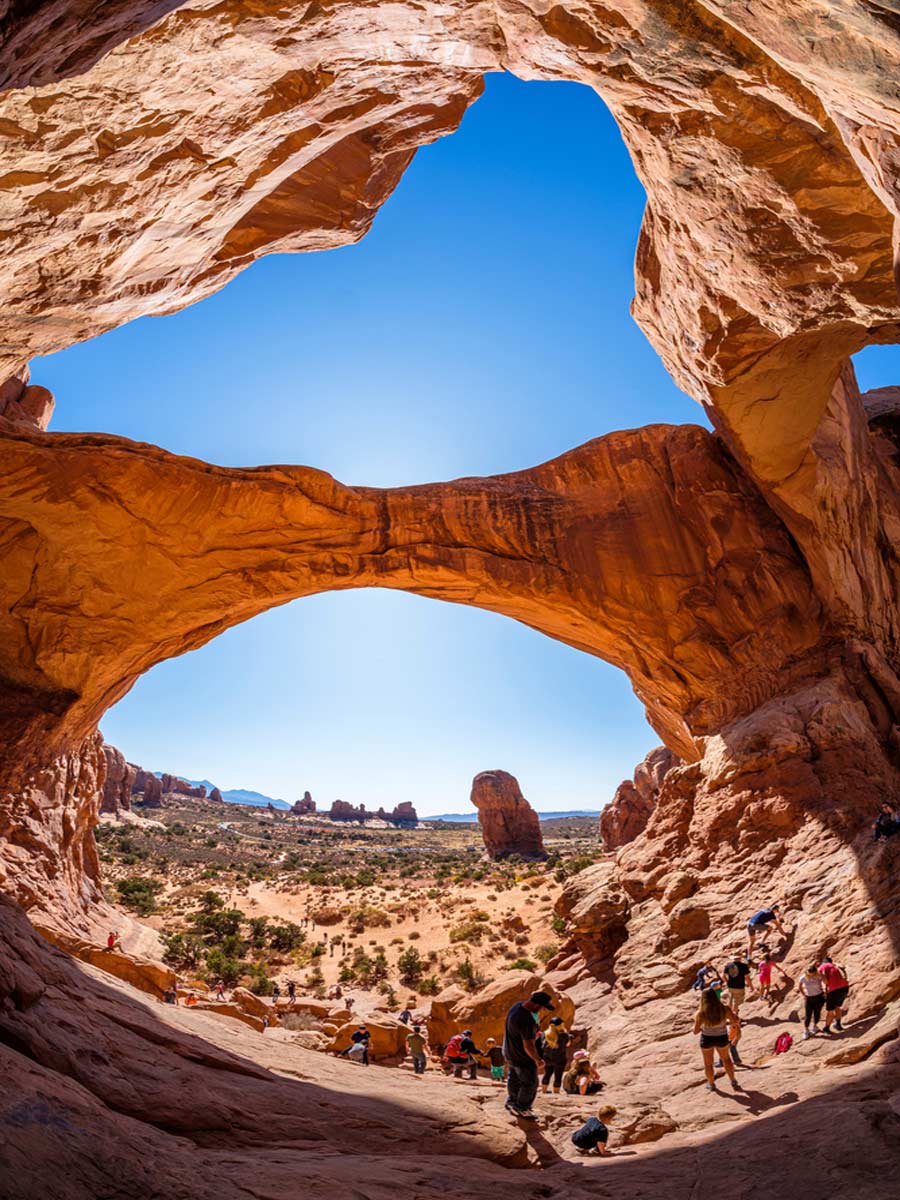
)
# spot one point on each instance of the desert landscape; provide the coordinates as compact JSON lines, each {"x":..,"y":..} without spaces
{"x":742,"y":573}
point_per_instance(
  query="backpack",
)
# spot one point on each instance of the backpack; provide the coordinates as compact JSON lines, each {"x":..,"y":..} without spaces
{"x":783,"y":1043}
{"x":454,"y":1047}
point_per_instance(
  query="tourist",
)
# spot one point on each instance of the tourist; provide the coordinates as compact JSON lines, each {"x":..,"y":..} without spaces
{"x":593,"y":1135}
{"x":708,"y":976}
{"x":359,"y":1045}
{"x":405,"y":1016}
{"x":713,"y":1022}
{"x":836,"y":989}
{"x":220,"y":989}
{"x":581,"y":1079}
{"x":494,"y":1054}
{"x":170,"y":995}
{"x":415,"y":1044}
{"x":761,"y":922}
{"x":292,"y":991}
{"x":276,"y":993}
{"x":461,"y":1051}
{"x":111,"y":939}
{"x":767,"y":965}
{"x":555,"y":1052}
{"x":886,"y":823}
{"x":738,"y":977}
{"x":520,"y":1053}
{"x":812,"y":988}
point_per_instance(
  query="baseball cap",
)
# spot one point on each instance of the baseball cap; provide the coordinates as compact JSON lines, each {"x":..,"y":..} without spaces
{"x":542,"y":1000}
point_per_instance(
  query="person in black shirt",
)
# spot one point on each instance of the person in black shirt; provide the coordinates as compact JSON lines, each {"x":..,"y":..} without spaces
{"x":555,"y":1052}
{"x":886,"y":823}
{"x":737,"y":973}
{"x":594,"y":1134}
{"x":466,"y":1059}
{"x":362,"y":1037}
{"x":521,"y":1055}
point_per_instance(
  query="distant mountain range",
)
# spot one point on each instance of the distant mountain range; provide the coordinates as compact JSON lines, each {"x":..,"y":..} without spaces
{"x":236,"y":795}
{"x":543,"y":816}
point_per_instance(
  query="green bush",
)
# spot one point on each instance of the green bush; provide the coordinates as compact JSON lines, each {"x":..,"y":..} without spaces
{"x":182,"y":950}
{"x":429,"y":986}
{"x":410,"y":965}
{"x":286,"y":937}
{"x":522,"y":964}
{"x":139,"y":894}
{"x":546,"y":951}
{"x":221,"y":966}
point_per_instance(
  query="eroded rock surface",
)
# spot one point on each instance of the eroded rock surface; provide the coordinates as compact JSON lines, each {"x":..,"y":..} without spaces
{"x":635,"y":799}
{"x":509,"y":825}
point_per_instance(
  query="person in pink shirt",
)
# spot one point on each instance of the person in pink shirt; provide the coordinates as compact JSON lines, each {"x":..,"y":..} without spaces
{"x":836,"y":988}
{"x":766,"y":966}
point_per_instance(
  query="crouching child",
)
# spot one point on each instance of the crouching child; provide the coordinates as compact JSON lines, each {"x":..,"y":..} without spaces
{"x":593,"y":1135}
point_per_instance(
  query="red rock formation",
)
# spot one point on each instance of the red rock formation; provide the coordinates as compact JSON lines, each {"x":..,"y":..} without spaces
{"x":172,"y":785}
{"x":509,"y":825}
{"x":119,"y":781}
{"x":404,"y":815}
{"x":216,"y":796}
{"x":148,"y":786}
{"x":635,"y":799}
{"x":306,"y":805}
{"x":342,"y":811}
{"x":21,"y":404}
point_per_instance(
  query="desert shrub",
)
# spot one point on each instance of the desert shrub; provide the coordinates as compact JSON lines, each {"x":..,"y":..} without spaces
{"x":220,"y":966}
{"x":286,"y":937}
{"x":258,"y":932}
{"x":182,"y":949}
{"x":410,"y":965}
{"x":558,"y":924}
{"x":429,"y":986}
{"x":414,"y":935}
{"x":367,"y":916}
{"x":211,"y":901}
{"x":327,"y":916}
{"x":468,"y":931}
{"x":468,"y":976}
{"x":139,"y":894}
{"x":300,"y":1020}
{"x":216,"y":926}
{"x":262,"y":985}
{"x":522,"y":964}
{"x":545,"y":952}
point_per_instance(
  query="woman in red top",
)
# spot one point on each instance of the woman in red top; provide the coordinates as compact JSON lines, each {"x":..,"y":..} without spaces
{"x":836,"y":989}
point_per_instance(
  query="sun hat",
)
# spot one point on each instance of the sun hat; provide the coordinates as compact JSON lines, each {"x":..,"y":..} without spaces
{"x":542,"y":1000}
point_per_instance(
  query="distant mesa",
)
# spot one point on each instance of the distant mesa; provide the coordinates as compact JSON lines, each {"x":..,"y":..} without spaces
{"x":172,"y":785}
{"x":509,"y":825}
{"x":305,"y":806}
{"x":403,"y":815}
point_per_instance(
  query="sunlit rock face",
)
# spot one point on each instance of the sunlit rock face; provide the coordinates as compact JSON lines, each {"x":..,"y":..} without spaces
{"x":746,"y":580}
{"x":509,"y":825}
{"x":631,"y":807}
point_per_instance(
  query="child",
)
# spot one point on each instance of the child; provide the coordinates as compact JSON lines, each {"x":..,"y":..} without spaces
{"x":766,"y":966}
{"x":594,"y":1134}
{"x":494,"y":1054}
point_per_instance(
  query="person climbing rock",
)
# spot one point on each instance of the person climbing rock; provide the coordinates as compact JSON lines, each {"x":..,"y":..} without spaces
{"x":494,"y":1054}
{"x":416,"y":1044}
{"x":761,"y":922}
{"x":555,"y":1052}
{"x":715,"y":1022}
{"x":593,"y":1136}
{"x":738,"y":976}
{"x":886,"y":823}
{"x":767,"y":965}
{"x":359,"y":1045}
{"x":112,"y":939}
{"x":707,"y":976}
{"x":461,"y":1052}
{"x":292,"y":991}
{"x":836,"y":988}
{"x":520,"y":1053}
{"x":582,"y":1078}
{"x":405,"y":1016}
{"x":812,"y":988}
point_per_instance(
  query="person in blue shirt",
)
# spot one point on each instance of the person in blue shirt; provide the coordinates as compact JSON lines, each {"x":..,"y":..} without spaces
{"x":594,"y":1133}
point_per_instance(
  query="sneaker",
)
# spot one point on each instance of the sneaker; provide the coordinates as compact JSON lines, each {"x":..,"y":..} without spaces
{"x":511,"y":1108}
{"x":815,"y":1029}
{"x":735,"y":1085}
{"x":839,"y":1026}
{"x":528,"y":1115}
{"x":805,"y":1035}
{"x":710,"y":1087}
{"x":827,"y":1029}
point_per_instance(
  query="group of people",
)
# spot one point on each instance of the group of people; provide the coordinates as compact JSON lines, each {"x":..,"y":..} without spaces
{"x":722,"y":994}
{"x":887,"y":823}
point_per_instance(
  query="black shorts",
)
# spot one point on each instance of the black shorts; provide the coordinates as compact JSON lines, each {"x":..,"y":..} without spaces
{"x":708,"y":1040}
{"x":835,"y":999}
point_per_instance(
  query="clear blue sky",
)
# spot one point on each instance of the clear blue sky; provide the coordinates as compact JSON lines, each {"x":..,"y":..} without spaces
{"x":482,"y":326}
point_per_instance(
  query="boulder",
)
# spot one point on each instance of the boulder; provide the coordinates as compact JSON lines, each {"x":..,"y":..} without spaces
{"x":484,"y":1011}
{"x":632,"y":805}
{"x":388,"y":1037}
{"x":249,"y":1002}
{"x":509,"y":825}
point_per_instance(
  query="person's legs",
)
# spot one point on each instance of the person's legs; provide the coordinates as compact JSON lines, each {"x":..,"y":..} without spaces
{"x":473,"y":1069}
{"x":582,"y":1084}
{"x":528,"y":1086}
{"x":808,"y":1010}
{"x":725,"y":1053}
{"x":545,"y":1078}
{"x":512,"y":1087}
{"x":708,"y":1053}
{"x":365,"y":1057}
{"x":557,"y":1075}
{"x":458,"y":1070}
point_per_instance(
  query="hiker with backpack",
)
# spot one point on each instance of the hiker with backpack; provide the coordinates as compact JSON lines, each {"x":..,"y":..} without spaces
{"x":836,"y":988}
{"x":738,"y":977}
{"x":460,"y":1053}
{"x":760,"y":922}
{"x":812,"y":988}
{"x":554,"y":1052}
{"x":715,"y":1022}
{"x":521,"y":1056}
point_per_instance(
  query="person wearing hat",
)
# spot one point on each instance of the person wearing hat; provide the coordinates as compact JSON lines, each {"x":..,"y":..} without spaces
{"x":581,"y":1079}
{"x":358,"y":1050}
{"x":521,"y":1054}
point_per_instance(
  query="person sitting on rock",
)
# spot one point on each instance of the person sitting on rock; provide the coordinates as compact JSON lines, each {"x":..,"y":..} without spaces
{"x":416,"y":1044}
{"x":738,"y":977}
{"x":581,"y":1079}
{"x":359,"y":1046}
{"x":170,"y":995}
{"x":761,"y":922}
{"x":715,"y":1024}
{"x":708,"y":976}
{"x":593,"y":1136}
{"x":494,"y":1054}
{"x":767,"y":965}
{"x":554,"y":1052}
{"x":886,"y":823}
{"x":836,"y":988}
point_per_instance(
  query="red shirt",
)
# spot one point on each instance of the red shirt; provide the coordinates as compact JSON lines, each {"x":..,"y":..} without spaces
{"x":833,"y":976}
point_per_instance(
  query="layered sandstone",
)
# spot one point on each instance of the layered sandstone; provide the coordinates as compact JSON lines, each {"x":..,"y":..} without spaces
{"x":119,"y":781}
{"x":635,"y":799}
{"x":509,"y":825}
{"x":304,"y":806}
{"x":148,"y":786}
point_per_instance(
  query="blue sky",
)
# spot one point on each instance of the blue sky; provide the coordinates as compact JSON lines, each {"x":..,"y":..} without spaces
{"x":482,"y":326}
